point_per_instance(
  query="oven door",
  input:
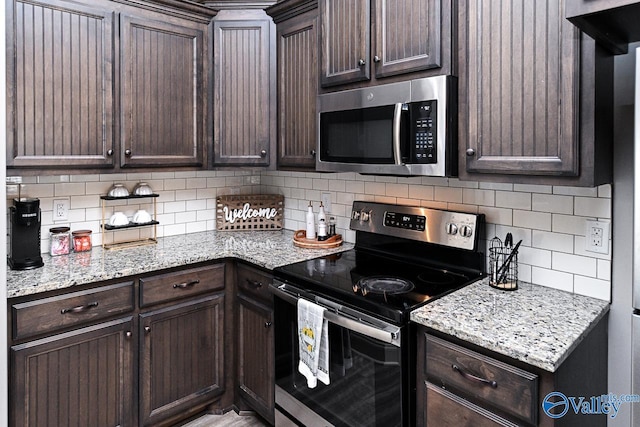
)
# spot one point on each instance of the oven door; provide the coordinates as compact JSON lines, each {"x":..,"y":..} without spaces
{"x":366,"y":368}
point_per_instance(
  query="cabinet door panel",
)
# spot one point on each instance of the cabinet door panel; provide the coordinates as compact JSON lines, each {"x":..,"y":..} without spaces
{"x":181,"y":358}
{"x":408,"y":35}
{"x":256,"y":374}
{"x":520,"y":77}
{"x":60,"y":91}
{"x":162,"y":93}
{"x":345,"y":41}
{"x":87,"y":373}
{"x":297,"y":91}
{"x":245,"y":82}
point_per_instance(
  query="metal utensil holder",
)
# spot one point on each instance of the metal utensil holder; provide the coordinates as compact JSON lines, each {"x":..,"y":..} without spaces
{"x":501,"y":276}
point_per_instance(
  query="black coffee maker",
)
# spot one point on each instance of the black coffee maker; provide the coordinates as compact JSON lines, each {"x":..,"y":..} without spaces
{"x":24,"y":234}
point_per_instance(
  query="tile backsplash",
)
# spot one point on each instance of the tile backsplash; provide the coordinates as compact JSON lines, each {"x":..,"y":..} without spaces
{"x":549,"y":219}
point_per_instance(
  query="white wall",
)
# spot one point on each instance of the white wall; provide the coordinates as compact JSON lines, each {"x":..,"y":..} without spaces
{"x":549,"y":219}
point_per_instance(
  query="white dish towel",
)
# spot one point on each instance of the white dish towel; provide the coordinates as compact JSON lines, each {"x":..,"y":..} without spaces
{"x":313,"y":343}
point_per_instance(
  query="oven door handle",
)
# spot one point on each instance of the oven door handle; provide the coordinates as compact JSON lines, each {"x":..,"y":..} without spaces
{"x":364,"y":325}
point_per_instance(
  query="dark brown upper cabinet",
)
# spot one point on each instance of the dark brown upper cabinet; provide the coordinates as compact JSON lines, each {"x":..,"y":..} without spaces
{"x":612,"y":23}
{"x":101,"y":84}
{"x":535,"y":96}
{"x":297,"y":24}
{"x":244,"y":98}
{"x":60,"y":85}
{"x":396,"y":37}
{"x":163,"y":98}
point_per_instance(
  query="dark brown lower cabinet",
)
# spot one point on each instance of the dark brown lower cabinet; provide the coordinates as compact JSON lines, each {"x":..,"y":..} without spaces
{"x":181,"y":359}
{"x":82,"y":378}
{"x":255,"y":355}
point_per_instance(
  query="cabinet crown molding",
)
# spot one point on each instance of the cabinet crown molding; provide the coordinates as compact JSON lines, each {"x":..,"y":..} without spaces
{"x":286,"y":9}
{"x":238,"y":4}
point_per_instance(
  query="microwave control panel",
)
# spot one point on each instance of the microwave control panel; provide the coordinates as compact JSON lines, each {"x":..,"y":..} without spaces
{"x":423,"y":122}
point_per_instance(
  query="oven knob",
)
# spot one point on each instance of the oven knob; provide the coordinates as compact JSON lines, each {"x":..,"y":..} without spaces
{"x":452,"y":229}
{"x":365,"y":216}
{"x":466,"y":231}
{"x":355,"y":215}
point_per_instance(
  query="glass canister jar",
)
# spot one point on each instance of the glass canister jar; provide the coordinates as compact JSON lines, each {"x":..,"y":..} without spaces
{"x":59,"y":242}
{"x":81,"y":240}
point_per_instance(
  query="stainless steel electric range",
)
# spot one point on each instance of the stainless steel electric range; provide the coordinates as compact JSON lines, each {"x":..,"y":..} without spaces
{"x":404,"y":257}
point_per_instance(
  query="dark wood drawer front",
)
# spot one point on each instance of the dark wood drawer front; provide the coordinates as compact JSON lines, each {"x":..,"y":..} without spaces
{"x":254,"y":282}
{"x":447,"y":409}
{"x":49,"y":314}
{"x":181,"y":284}
{"x":482,"y":378}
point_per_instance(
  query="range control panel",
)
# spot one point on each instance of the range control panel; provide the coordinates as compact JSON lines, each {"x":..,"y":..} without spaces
{"x":423,"y":121}
{"x":448,"y":228}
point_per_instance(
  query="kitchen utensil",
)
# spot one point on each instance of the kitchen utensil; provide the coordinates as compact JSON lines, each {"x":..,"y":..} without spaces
{"x":142,"y":189}
{"x":118,"y":190}
{"x":118,"y":219}
{"x":141,"y":217}
{"x":508,"y":241}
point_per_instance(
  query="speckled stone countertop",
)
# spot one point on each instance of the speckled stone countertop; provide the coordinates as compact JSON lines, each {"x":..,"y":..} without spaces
{"x":534,"y":324}
{"x":268,"y":249}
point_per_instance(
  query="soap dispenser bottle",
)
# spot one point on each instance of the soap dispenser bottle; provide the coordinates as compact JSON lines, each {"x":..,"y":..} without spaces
{"x":311,"y":222}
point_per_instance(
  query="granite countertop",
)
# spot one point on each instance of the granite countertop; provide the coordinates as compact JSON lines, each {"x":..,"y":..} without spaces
{"x":268,"y":249}
{"x":534,"y":324}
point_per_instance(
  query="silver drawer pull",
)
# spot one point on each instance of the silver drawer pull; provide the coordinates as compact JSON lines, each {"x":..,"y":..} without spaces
{"x":473,"y":377}
{"x":256,"y":284}
{"x":80,"y":308}
{"x":186,"y":284}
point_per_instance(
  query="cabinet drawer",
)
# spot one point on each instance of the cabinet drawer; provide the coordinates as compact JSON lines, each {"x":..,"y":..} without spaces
{"x":181,"y":284}
{"x":49,"y":314}
{"x":254,"y":282}
{"x":482,"y":378}
{"x":447,"y":409}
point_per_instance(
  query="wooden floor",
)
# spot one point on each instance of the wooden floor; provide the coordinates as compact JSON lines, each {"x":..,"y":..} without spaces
{"x":230,"y":419}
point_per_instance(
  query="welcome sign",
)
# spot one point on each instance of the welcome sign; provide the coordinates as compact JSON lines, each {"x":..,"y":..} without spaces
{"x":249,"y":212}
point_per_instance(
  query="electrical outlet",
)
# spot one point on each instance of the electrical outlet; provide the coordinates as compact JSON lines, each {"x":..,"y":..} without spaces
{"x":326,"y":201}
{"x":597,"y":236}
{"x":61,"y":210}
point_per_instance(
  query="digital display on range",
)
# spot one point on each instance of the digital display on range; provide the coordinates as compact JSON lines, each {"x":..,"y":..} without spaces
{"x":406,"y":221}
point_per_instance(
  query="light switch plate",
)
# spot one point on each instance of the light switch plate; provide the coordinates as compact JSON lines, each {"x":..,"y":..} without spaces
{"x":597,"y":236}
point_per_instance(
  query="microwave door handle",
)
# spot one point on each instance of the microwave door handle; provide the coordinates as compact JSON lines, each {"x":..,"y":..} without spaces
{"x":397,"y":122}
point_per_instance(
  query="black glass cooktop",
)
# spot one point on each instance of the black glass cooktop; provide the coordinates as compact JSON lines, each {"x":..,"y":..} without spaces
{"x":382,"y":286}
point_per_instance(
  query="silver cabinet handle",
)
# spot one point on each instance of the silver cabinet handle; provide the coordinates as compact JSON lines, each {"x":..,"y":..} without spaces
{"x":127,"y":152}
{"x":80,"y":308}
{"x":255,"y":283}
{"x":267,"y":324}
{"x":110,"y":152}
{"x":361,"y":62}
{"x":128,"y":334}
{"x":186,"y":284}
{"x":147,"y":329}
{"x":376,"y":58}
{"x":472,"y":377}
{"x":313,"y":153}
{"x":263,"y":153}
{"x":471,"y":152}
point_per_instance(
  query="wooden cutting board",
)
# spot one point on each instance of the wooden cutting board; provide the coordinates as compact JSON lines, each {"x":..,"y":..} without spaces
{"x":300,"y":240}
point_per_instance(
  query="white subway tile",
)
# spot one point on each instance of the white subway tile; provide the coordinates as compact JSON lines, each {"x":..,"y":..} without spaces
{"x":233,"y":181}
{"x":535,"y":257}
{"x":172,"y":207}
{"x":591,"y":287}
{"x":194,"y":183}
{"x":82,"y":202}
{"x":552,"y":241}
{"x":375,"y":188}
{"x":163,"y":175}
{"x":496,"y":186}
{"x":431,"y":180}
{"x":185,"y":174}
{"x":462,"y":208}
{"x":574,"y":264}
{"x":206,"y":174}
{"x":385,"y":199}
{"x":455,"y":182}
{"x":421,"y":192}
{"x":410,"y":180}
{"x":383,"y":178}
{"x":448,"y":194}
{"x":175,"y":229}
{"x":528,"y":188}
{"x":433,"y":204}
{"x":84,"y":178}
{"x":552,"y":279}
{"x":397,"y":190}
{"x":139,"y":176}
{"x":534,"y":220}
{"x":497,"y":215}
{"x":194,"y":205}
{"x":593,"y":207}
{"x":576,"y":191}
{"x":186,"y":217}
{"x":604,"y":269}
{"x":167,"y":218}
{"x":53,"y":179}
{"x":567,"y":224}
{"x":216,"y":182}
{"x":113,"y":177}
{"x":552,"y":203}
{"x":305,"y":183}
{"x":206,"y":193}
{"x":478,"y":197}
{"x":196,"y":227}
{"x":508,"y":199}
{"x":523,"y":234}
{"x":337,"y":185}
{"x":604,"y":191}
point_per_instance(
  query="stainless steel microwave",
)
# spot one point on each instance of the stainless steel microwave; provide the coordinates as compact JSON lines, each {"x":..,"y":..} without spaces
{"x":406,"y":128}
